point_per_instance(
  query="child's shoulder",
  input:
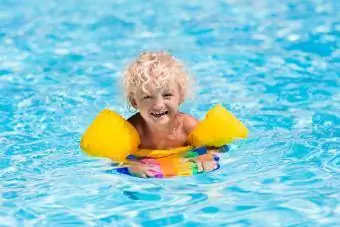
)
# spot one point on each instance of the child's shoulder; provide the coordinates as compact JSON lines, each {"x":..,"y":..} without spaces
{"x":136,"y":120}
{"x":189,"y":122}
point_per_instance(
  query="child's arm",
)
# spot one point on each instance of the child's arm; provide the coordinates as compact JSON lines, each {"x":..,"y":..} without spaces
{"x":189,"y":123}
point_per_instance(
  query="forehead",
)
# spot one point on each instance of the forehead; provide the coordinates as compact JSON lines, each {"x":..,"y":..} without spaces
{"x":154,"y":87}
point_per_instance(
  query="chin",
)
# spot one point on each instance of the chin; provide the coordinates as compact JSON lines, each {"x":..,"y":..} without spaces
{"x":160,"y":121}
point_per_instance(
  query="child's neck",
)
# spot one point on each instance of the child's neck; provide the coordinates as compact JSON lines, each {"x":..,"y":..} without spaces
{"x":161,"y":131}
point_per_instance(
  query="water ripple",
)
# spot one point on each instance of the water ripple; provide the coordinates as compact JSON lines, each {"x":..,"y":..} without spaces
{"x":275,"y":66}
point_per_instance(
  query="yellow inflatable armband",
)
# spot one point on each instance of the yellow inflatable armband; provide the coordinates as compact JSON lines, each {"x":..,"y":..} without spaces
{"x":111,"y":136}
{"x":218,"y":128}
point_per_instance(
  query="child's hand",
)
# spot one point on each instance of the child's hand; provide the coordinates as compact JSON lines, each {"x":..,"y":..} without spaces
{"x":143,"y":169}
{"x":207,"y":162}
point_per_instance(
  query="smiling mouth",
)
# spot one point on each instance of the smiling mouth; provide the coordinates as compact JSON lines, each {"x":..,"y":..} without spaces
{"x":159,"y":114}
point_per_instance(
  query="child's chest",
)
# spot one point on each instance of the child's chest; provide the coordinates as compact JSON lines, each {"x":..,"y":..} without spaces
{"x":176,"y":140}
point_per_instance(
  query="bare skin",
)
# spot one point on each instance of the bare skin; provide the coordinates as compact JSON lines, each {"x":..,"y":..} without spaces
{"x":163,"y":138}
{"x":160,"y":138}
{"x":160,"y":125}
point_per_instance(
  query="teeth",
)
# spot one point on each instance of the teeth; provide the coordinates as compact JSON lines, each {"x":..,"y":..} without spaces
{"x":158,"y":114}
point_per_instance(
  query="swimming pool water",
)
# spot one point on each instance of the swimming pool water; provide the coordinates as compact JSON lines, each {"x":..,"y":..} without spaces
{"x":274,"y":64}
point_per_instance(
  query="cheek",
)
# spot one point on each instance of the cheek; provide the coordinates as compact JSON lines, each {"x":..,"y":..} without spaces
{"x":143,"y":105}
{"x":178,"y":100}
{"x":174,"y":104}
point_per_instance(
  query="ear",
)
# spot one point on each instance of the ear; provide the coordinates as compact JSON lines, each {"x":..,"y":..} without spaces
{"x":181,"y":100}
{"x":181,"y":97}
{"x":132,"y":101}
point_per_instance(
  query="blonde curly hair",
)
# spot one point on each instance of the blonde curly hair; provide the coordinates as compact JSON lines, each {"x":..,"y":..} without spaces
{"x":159,"y":68}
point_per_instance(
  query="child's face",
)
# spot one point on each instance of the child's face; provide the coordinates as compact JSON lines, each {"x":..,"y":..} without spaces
{"x":160,"y":104}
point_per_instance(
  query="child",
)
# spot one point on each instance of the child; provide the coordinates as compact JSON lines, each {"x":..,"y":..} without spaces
{"x":156,"y":85}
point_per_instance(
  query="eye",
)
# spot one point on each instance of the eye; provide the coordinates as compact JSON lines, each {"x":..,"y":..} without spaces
{"x":167,"y":95}
{"x":147,"y":97}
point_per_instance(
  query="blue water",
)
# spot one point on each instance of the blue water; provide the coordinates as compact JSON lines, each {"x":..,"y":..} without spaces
{"x":274,"y":64}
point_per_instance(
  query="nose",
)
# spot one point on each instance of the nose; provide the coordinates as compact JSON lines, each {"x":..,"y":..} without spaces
{"x":159,"y":103}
